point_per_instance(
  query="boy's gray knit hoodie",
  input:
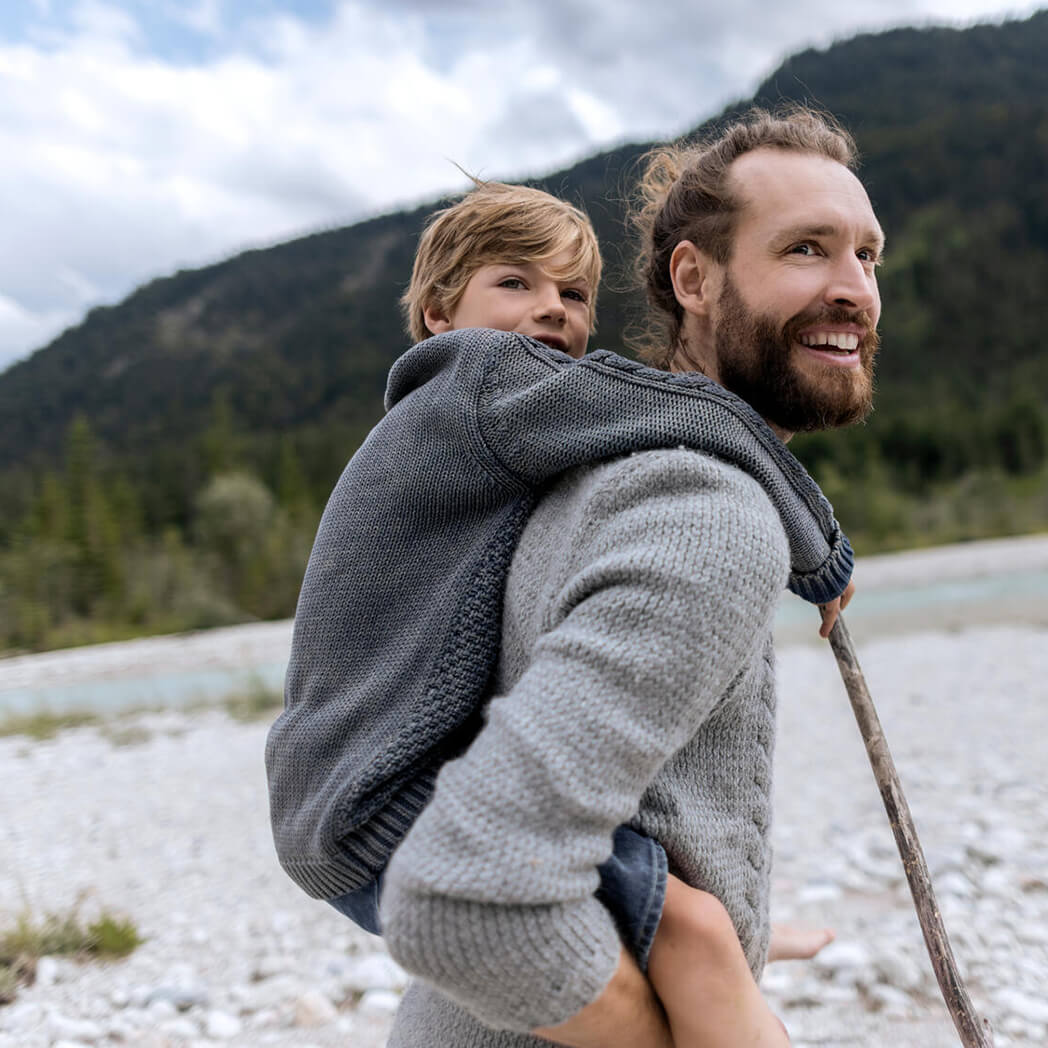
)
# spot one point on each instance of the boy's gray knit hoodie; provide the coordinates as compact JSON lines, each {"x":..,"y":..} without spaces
{"x":398,"y":623}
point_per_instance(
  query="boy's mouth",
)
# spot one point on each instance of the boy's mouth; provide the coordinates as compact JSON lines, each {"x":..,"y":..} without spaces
{"x":553,"y":341}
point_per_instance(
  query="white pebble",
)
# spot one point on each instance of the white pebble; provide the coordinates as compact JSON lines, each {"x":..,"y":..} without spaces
{"x":314,"y":1008}
{"x":379,"y":1002}
{"x":221,"y":1025}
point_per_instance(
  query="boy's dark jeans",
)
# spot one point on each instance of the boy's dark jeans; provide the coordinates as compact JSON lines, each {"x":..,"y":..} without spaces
{"x":632,"y":888}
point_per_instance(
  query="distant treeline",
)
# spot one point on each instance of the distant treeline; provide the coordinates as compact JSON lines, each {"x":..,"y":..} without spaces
{"x":87,"y":561}
{"x":164,"y":464}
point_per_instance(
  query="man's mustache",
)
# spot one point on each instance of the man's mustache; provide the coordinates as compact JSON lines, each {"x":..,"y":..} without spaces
{"x":830,"y":317}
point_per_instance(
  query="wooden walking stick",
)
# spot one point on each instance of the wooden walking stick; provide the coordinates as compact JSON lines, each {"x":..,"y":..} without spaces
{"x":974,"y":1032}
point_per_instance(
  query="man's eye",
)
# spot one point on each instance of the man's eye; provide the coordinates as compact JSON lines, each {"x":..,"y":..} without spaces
{"x":867,"y":254}
{"x":805,"y":248}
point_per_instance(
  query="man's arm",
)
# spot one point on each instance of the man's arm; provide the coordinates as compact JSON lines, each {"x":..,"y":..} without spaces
{"x":626,"y":1015}
{"x":666,"y":580}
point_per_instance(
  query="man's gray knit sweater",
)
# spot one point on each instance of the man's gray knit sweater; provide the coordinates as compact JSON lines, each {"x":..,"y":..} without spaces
{"x":636,"y":684}
{"x":397,"y":629}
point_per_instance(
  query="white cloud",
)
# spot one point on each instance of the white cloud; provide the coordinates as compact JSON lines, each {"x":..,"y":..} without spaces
{"x":203,"y":16}
{"x":23,"y":327}
{"x":119,"y":166}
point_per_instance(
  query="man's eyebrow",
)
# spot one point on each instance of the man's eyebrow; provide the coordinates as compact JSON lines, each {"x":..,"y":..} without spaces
{"x":789,"y":236}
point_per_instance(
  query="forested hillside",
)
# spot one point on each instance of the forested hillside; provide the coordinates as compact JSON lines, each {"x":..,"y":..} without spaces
{"x":163,"y":464}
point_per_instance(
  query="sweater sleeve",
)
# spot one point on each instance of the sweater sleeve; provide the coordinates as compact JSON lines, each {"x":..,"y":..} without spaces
{"x":672,"y":571}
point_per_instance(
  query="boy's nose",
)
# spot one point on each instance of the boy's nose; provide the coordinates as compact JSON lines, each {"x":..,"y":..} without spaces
{"x":550,"y":306}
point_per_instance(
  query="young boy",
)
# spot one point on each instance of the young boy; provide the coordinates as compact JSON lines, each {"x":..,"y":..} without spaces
{"x":511,"y":259}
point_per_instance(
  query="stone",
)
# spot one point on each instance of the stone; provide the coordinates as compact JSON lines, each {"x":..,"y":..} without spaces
{"x":62,"y":1027}
{"x":377,"y":971}
{"x":21,"y":1017}
{"x":820,"y":891}
{"x":48,"y":971}
{"x":221,"y":1025}
{"x":270,"y":993}
{"x":899,"y":970}
{"x":160,"y":1008}
{"x":314,"y":1008}
{"x":890,"y":1000}
{"x":271,"y":964}
{"x":181,"y":998}
{"x":953,"y":882}
{"x":844,"y":959}
{"x":1024,"y":1006}
{"x":181,"y":1028}
{"x":379,"y":1002}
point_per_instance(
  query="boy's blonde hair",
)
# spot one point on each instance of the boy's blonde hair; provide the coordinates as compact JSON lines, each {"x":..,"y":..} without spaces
{"x":496,"y":223}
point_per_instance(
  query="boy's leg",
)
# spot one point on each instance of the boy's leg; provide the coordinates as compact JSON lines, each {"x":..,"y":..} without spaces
{"x":701,"y":976}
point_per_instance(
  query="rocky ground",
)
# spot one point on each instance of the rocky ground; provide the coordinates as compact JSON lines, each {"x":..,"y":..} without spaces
{"x":162,"y":817}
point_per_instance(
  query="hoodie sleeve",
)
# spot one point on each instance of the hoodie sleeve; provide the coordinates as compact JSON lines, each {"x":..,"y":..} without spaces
{"x":672,"y":571}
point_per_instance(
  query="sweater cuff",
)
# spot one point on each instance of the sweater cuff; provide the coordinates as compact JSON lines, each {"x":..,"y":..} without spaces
{"x":830,"y":579}
{"x":512,"y":967}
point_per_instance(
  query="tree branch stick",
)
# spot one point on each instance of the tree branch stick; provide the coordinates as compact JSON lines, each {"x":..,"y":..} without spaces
{"x":974,"y":1032}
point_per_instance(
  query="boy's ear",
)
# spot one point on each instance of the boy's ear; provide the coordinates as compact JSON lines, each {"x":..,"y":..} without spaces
{"x":436,"y":319}
{"x":694,"y":277}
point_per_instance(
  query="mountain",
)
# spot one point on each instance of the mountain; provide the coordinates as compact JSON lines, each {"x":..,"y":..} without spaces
{"x":273,"y":363}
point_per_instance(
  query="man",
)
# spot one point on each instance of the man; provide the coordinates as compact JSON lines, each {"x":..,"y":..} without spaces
{"x":636,"y":681}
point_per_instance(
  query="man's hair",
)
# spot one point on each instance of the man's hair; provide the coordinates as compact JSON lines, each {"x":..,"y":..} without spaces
{"x":496,"y":223}
{"x":685,"y":193}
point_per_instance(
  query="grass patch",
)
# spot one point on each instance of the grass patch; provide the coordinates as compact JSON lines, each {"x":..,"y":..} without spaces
{"x":44,"y":725}
{"x":107,"y":937}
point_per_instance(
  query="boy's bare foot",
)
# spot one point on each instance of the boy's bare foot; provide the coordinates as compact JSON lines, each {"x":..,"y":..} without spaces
{"x":795,"y":942}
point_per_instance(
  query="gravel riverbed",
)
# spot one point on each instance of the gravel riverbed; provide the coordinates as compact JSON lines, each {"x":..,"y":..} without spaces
{"x":163,"y":817}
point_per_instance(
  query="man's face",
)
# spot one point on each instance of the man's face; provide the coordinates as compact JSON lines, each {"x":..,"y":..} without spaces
{"x":794,"y":327}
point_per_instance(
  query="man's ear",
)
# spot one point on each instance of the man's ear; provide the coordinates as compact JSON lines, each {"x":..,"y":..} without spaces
{"x":436,"y":319}
{"x":690,"y":271}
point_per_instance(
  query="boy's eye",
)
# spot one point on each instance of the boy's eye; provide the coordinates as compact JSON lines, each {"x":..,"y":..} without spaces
{"x":512,"y":282}
{"x":575,"y":293}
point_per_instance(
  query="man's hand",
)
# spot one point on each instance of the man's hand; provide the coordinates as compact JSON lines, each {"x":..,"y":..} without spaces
{"x":829,"y":612}
{"x":626,"y":1015}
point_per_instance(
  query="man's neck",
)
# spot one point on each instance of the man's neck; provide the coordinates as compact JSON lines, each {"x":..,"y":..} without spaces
{"x":686,"y":360}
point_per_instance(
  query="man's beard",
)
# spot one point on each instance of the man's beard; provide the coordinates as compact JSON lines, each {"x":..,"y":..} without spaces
{"x":755,"y":361}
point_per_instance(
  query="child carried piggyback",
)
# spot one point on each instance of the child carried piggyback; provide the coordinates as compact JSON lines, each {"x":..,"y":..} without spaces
{"x":397,"y":631}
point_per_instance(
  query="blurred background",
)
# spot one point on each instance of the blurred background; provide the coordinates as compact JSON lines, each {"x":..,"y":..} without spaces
{"x":210,"y":209}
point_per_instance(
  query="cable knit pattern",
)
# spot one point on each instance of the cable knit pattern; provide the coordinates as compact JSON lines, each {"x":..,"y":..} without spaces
{"x":635,"y":685}
{"x":397,"y":629}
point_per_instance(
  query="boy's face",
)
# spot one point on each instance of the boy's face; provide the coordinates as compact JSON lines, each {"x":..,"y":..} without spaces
{"x":524,"y":298}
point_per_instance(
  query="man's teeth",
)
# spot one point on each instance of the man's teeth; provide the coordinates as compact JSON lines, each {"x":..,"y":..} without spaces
{"x":838,"y":340}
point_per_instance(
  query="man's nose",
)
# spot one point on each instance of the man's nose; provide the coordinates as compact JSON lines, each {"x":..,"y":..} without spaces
{"x":852,"y":285}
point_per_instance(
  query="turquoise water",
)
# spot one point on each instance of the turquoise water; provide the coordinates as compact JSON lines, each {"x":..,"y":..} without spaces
{"x":1019,"y":598}
{"x":1015,"y":598}
{"x":170,"y":690}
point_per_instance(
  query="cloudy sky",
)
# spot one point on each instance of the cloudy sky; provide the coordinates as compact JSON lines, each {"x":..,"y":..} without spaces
{"x":140,"y":136}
